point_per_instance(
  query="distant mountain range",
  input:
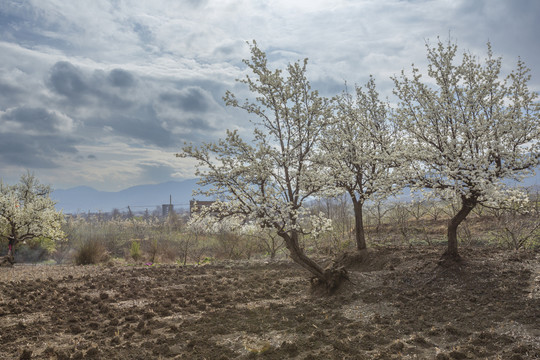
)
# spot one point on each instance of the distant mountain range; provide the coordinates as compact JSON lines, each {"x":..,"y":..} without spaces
{"x":83,"y":199}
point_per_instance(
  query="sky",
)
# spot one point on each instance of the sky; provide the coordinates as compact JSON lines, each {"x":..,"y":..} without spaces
{"x":103,"y":93}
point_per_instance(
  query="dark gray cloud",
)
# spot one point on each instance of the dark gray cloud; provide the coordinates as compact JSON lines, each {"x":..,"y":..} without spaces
{"x":191,"y":99}
{"x":148,"y":131}
{"x":67,"y":80}
{"x":38,"y":119}
{"x":121,"y":78}
{"x":141,"y":125}
{"x":190,"y":113}
{"x":35,"y":137}
{"x":212,"y":88}
{"x":35,"y":151}
{"x":95,"y":89}
{"x":199,"y":125}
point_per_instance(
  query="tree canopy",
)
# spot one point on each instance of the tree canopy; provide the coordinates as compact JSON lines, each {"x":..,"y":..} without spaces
{"x":27,"y":213}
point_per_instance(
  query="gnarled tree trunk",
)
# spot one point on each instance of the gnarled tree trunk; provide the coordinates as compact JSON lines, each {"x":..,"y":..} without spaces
{"x":467,"y":205}
{"x":331,"y":278}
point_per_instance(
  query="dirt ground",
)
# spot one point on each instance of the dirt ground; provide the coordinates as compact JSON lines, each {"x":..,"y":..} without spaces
{"x":400,"y":304}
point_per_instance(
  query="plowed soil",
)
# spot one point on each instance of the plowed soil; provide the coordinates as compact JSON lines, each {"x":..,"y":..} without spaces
{"x":399,"y":304}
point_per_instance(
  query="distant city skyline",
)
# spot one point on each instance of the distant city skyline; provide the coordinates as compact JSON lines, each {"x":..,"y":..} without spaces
{"x":104,"y":93}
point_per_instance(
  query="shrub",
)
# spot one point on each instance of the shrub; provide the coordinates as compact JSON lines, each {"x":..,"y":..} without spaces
{"x":135,"y":250}
{"x":90,"y":252}
{"x":153,"y":250}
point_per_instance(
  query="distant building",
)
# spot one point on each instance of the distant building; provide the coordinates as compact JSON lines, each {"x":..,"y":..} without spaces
{"x":166,"y":209}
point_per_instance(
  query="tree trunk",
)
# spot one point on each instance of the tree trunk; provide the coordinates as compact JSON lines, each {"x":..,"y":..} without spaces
{"x":8,"y":260}
{"x":272,"y":253}
{"x":11,"y":246}
{"x":466,"y":207}
{"x":331,"y":278}
{"x":298,"y":255}
{"x":359,"y":224}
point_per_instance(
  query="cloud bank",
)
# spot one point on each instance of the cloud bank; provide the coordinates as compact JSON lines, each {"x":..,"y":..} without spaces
{"x":103,"y":93}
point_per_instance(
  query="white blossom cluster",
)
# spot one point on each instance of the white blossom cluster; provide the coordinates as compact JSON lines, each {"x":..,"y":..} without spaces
{"x":266,"y":182}
{"x":133,"y":225}
{"x":362,"y":148}
{"x":471,"y":129}
{"x":515,"y":199}
{"x":27,"y":212}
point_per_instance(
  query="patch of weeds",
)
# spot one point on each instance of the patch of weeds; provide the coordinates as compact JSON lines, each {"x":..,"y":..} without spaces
{"x":90,"y":252}
{"x":207,"y":260}
{"x":135,"y":250}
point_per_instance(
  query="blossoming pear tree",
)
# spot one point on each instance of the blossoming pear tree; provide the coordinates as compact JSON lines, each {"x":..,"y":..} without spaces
{"x":469,"y":128}
{"x":362,"y":150}
{"x":268,"y":180}
{"x":27,"y":213}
